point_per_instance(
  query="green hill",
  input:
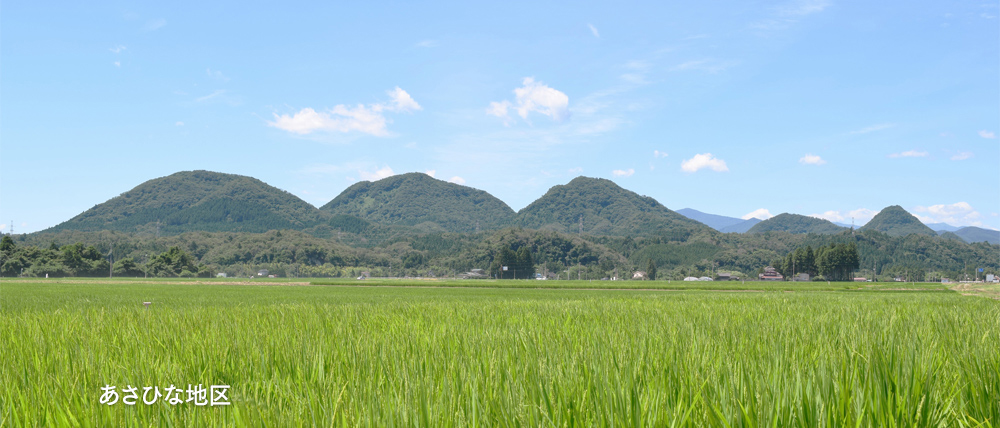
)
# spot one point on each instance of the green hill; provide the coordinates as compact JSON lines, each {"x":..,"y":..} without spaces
{"x":795,"y":223}
{"x":606,"y":208}
{"x":421,"y":201}
{"x":895,"y":221}
{"x":197,"y":201}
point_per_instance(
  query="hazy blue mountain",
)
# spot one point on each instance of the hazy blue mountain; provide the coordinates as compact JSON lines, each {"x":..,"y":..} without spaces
{"x":942,"y":227}
{"x":795,"y":223}
{"x":743,"y":226}
{"x":715,"y":221}
{"x":895,"y":221}
{"x":978,"y":234}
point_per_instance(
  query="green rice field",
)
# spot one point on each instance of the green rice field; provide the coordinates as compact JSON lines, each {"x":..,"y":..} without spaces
{"x":500,"y":354}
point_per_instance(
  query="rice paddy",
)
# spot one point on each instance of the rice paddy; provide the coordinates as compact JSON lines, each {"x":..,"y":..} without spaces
{"x":449,"y":356}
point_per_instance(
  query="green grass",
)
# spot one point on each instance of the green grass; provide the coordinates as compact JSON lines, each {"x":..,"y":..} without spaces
{"x":446,"y":356}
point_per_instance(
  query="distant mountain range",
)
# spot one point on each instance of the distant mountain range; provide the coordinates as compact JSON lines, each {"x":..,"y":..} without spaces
{"x":720,"y":222}
{"x":417,"y":203}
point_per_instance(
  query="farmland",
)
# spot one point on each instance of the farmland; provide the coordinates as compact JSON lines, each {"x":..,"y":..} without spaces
{"x":435,"y":353}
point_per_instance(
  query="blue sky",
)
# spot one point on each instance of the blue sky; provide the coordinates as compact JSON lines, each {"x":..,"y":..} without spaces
{"x":816,"y":107}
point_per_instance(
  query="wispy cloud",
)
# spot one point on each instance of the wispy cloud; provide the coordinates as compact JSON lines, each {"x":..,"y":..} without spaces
{"x":215,"y":94}
{"x":704,"y":160}
{"x":118,"y":63}
{"x":155,"y":24}
{"x":179,"y":123}
{"x":961,"y":156}
{"x":760,"y":213}
{"x":367,"y":119}
{"x":457,"y":180}
{"x":909,"y":154}
{"x":707,"y":65}
{"x":802,"y":7}
{"x":427,"y":43}
{"x":789,"y":13}
{"x":430,"y":172}
{"x":118,"y":49}
{"x":659,"y":154}
{"x":593,"y":30}
{"x":811,"y":160}
{"x":216,"y":74}
{"x":623,"y":172}
{"x":873,"y":128}
{"x":532,"y":97}
{"x":987,"y":134}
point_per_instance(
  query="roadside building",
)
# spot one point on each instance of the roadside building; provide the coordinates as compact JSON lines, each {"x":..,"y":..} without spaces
{"x":802,"y":277}
{"x":770,"y":274}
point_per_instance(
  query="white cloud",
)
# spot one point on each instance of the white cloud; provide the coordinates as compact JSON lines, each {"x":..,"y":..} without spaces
{"x":118,"y":63}
{"x":623,"y":172}
{"x":3,"y":227}
{"x":457,"y":180}
{"x":957,"y":214}
{"x":117,"y":49}
{"x":377,"y":174}
{"x":401,"y":101}
{"x":341,"y":118}
{"x":216,"y":75}
{"x":987,"y":134}
{"x":533,"y":97}
{"x":594,"y":30}
{"x":811,"y":160}
{"x":704,"y":160}
{"x":576,"y":170}
{"x":873,"y":128}
{"x":961,"y":156}
{"x":179,"y":123}
{"x":860,"y":216}
{"x":430,"y":172}
{"x":155,"y":24}
{"x":760,"y":213}
{"x":659,"y":154}
{"x":427,"y":44}
{"x":909,"y":154}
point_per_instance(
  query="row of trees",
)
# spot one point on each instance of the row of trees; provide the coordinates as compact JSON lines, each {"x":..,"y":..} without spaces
{"x":835,"y":262}
{"x":87,"y":261}
{"x":518,"y":264}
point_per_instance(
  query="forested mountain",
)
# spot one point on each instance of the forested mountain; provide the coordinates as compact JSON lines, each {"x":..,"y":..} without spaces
{"x":895,"y":221}
{"x":715,"y":221}
{"x":197,"y":200}
{"x":978,"y":234}
{"x":603,"y":208}
{"x":419,"y":200}
{"x":795,"y":223}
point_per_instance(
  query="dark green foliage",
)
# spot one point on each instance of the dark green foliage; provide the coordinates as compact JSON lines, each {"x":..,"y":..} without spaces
{"x":795,"y":223}
{"x":350,"y":224}
{"x":837,"y":262}
{"x":895,"y":221}
{"x":651,"y":270}
{"x":606,"y":209}
{"x":197,"y":200}
{"x":419,"y":200}
{"x":176,"y":262}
